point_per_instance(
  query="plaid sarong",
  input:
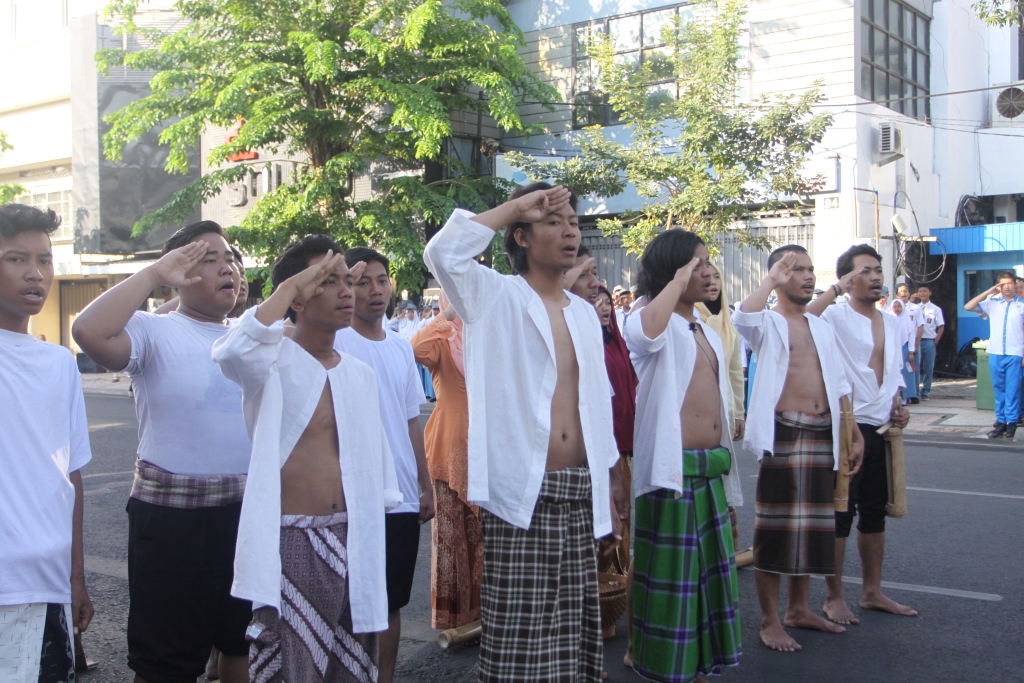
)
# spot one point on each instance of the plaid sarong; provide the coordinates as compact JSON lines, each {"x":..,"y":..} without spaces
{"x":311,"y":639}
{"x":539,"y":603}
{"x":794,"y":524}
{"x":157,"y":486}
{"x":685,"y":592}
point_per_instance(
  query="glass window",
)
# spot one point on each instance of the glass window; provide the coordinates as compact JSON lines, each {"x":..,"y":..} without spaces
{"x":894,"y":56}
{"x":655,"y":24}
{"x":625,"y":33}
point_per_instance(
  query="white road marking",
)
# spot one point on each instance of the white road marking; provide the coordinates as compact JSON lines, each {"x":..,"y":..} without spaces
{"x":106,"y":567}
{"x":935,"y":590}
{"x":967,"y":493}
{"x":107,"y":474}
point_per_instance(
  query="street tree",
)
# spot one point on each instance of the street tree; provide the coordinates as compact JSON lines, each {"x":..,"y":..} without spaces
{"x":337,"y":85}
{"x":701,"y":157}
{"x":8,"y":191}
{"x":1000,"y":12}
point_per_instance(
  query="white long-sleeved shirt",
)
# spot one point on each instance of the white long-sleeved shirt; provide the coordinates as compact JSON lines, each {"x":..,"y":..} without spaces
{"x":281,"y":387}
{"x":872,"y":402}
{"x":509,"y":355}
{"x":767,"y":332}
{"x":1006,"y":325}
{"x":664,"y":366}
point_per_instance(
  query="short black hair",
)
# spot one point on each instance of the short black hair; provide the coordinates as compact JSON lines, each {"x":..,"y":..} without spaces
{"x":238,"y":257}
{"x":777,"y":254}
{"x":357,"y":254}
{"x":663,"y":256}
{"x":1019,"y":278}
{"x":183,"y":236}
{"x":516,"y":254}
{"x":582,"y":250}
{"x":844,"y":264}
{"x":296,"y":257}
{"x":1007,"y":274}
{"x":18,"y":218}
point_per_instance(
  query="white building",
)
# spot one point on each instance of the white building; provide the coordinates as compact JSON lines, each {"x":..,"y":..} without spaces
{"x":51,"y":105}
{"x":927,"y":74}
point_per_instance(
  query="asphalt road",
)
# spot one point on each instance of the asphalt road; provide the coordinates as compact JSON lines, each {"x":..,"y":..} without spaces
{"x":957,"y":558}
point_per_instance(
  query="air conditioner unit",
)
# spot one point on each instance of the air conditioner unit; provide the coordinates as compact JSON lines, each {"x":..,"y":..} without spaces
{"x":1008,"y":105}
{"x":890,"y":139}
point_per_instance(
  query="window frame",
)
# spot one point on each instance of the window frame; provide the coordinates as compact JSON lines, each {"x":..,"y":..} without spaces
{"x":898,"y":63}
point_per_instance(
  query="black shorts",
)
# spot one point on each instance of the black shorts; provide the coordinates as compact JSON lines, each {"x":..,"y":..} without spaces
{"x":180,"y":568}
{"x":869,"y":489}
{"x":402,"y":545}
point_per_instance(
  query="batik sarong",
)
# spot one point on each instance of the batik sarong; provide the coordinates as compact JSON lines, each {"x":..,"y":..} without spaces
{"x":457,"y":560}
{"x":794,"y":523}
{"x":685,"y":592}
{"x":311,"y":639}
{"x":539,"y":603}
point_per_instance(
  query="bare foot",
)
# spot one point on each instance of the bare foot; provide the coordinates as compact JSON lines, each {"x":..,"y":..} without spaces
{"x":775,"y":638}
{"x":627,"y":659}
{"x":806,"y":619}
{"x":883,"y":604}
{"x":837,"y":611}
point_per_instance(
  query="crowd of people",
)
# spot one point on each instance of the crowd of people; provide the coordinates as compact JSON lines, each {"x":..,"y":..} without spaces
{"x":283,"y":475}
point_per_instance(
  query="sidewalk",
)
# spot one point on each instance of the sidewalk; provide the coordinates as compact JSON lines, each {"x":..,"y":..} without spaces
{"x":950,"y":415}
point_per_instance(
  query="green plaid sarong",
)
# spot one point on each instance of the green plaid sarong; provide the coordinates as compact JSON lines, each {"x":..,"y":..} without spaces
{"x":685,"y":592}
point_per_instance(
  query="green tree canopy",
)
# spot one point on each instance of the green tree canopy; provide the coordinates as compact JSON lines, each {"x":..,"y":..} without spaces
{"x":700,"y":158}
{"x":337,"y":84}
{"x":8,"y":191}
{"x":1000,"y":12}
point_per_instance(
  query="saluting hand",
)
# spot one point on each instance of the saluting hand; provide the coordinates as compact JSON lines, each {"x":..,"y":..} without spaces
{"x":683,"y":274}
{"x":307,"y":284}
{"x":534,"y":207}
{"x":573,"y":274}
{"x":782,"y":271}
{"x":173,"y":267}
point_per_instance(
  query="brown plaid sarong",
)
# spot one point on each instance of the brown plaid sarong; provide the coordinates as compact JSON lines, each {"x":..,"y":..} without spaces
{"x":311,"y":639}
{"x":539,"y":603}
{"x":794,"y":524}
{"x":157,"y":486}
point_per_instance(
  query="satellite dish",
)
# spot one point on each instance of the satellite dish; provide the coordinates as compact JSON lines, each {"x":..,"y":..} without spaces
{"x":1010,"y":103}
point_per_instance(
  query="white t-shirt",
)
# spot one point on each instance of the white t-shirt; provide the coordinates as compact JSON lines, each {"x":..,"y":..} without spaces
{"x":401,"y":395}
{"x":1006,"y":325}
{"x":45,"y":438}
{"x":190,"y":414}
{"x":929,"y":316}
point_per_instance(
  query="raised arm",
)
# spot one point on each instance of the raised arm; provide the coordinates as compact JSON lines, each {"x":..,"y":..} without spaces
{"x":972,"y":305}
{"x":100,"y":329}
{"x":825,"y":299}
{"x":655,"y":316}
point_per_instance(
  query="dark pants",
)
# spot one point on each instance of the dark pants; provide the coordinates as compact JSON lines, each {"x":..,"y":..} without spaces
{"x":869,"y":489}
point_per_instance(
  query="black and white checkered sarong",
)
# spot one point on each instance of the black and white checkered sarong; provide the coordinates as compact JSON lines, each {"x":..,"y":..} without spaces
{"x":539,"y":602}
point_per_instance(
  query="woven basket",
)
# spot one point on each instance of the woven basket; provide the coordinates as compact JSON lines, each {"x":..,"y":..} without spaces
{"x":612,"y":589}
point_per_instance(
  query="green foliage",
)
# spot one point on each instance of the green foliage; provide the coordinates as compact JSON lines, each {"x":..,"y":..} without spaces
{"x":1000,"y":12}
{"x":8,"y":191}
{"x":339,"y":85}
{"x":701,"y":161}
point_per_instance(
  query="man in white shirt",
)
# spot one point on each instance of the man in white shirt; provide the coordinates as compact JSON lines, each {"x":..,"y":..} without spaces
{"x":43,"y":598}
{"x":685,"y":593}
{"x":585,"y":283}
{"x":541,"y":443}
{"x":194,"y":451}
{"x":871,"y":356}
{"x":913,"y":330}
{"x":1005,"y":349}
{"x":401,"y":397}
{"x":932,"y":326}
{"x":311,"y":537}
{"x":793,"y":426}
{"x":406,"y":321}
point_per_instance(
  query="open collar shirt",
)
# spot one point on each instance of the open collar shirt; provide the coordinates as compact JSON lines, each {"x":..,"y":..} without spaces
{"x":930,"y":318}
{"x":872,"y":403}
{"x":509,"y":355}
{"x":281,"y":387}
{"x":664,"y":366}
{"x":1006,"y":325}
{"x":767,"y":332}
